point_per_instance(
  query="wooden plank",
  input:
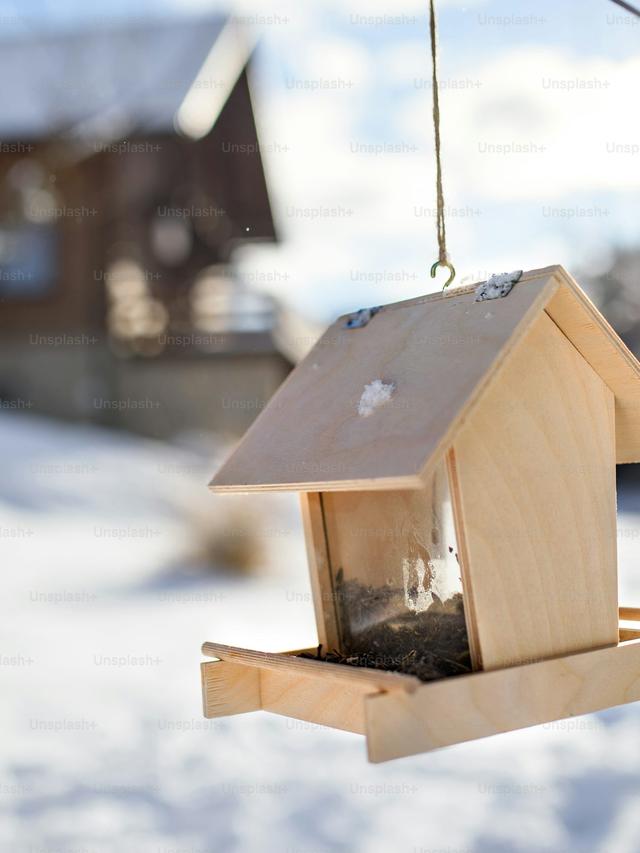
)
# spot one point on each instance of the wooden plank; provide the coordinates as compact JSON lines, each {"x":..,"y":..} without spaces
{"x":463,"y":557}
{"x":629,"y":634}
{"x":311,"y":437}
{"x":603,"y":349}
{"x":347,"y":675}
{"x":314,"y":691}
{"x":630,"y":614}
{"x":229,"y":688}
{"x":326,"y":702}
{"x":538,"y":506}
{"x":455,"y":710}
{"x":324,"y":601}
{"x":413,"y":344}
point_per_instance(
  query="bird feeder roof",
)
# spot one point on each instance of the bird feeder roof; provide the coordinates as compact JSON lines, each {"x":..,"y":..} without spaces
{"x":429,"y":359}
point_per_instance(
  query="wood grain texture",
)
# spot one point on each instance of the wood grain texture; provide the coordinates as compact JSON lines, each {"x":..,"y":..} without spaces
{"x":455,"y":710}
{"x":229,"y":689}
{"x":602,"y":348}
{"x":307,"y":667}
{"x":630,"y":614}
{"x":629,"y":634}
{"x":536,"y":468}
{"x":311,"y":437}
{"x":324,"y":600}
{"x":326,"y":702}
{"x":463,"y":558}
{"x":399,"y":723}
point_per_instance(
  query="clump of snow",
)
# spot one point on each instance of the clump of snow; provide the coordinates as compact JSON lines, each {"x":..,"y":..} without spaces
{"x":375,"y":394}
{"x":497,"y":285}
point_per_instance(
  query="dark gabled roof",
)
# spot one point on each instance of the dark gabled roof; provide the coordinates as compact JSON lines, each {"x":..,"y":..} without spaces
{"x":115,"y":80}
{"x":438,"y":353}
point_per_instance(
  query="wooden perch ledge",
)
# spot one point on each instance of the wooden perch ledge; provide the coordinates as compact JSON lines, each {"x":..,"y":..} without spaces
{"x":402,"y":716}
{"x":630,"y":614}
{"x":292,"y":664}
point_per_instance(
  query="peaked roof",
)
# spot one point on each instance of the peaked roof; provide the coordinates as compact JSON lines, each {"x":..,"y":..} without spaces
{"x":440,"y":352}
{"x":125,"y":77}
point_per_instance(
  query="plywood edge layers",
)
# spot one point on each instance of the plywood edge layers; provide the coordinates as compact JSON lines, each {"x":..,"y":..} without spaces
{"x":369,"y":484}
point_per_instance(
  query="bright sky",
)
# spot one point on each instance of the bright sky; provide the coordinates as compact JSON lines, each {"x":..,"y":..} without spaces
{"x":541,"y":138}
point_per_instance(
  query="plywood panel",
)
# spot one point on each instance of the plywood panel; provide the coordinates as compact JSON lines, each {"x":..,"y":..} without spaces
{"x":463,"y":558}
{"x":292,"y":664}
{"x":486,"y":703}
{"x":437,"y":351}
{"x":324,"y":600}
{"x":244,"y":680}
{"x":536,"y":470}
{"x":229,"y":689}
{"x":321,"y":701}
{"x":400,"y":722}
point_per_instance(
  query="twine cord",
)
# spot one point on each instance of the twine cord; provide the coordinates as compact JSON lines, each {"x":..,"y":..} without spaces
{"x":441,"y":228}
{"x":443,"y":257}
{"x":628,"y":7}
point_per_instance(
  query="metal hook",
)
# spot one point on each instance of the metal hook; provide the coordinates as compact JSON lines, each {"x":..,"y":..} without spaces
{"x":449,"y":266}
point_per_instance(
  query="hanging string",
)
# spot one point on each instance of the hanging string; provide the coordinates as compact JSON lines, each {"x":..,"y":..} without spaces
{"x":628,"y":7}
{"x":442,"y":234}
{"x":443,"y":257}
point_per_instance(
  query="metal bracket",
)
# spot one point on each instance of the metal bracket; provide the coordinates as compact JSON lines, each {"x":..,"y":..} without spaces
{"x":361,"y":318}
{"x":497,"y":285}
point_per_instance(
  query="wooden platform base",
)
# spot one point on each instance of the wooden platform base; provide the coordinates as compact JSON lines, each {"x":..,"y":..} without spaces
{"x":399,"y":715}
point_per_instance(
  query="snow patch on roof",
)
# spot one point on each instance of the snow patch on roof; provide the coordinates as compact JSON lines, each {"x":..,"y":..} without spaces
{"x":376,"y":394}
{"x":497,"y":285}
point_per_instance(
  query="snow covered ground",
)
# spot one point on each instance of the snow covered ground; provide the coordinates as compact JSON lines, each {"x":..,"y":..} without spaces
{"x":102,"y":743}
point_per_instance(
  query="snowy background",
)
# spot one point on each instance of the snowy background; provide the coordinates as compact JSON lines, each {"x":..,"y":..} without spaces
{"x":103,"y":745}
{"x":105,"y":540}
{"x":541,"y":137}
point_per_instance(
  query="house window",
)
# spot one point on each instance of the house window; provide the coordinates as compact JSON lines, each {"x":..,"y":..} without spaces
{"x":220,"y":305}
{"x":28,"y":233}
{"x":28,"y":260}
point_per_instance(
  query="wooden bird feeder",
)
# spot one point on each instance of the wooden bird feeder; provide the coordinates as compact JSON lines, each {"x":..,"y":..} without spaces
{"x":457,"y":462}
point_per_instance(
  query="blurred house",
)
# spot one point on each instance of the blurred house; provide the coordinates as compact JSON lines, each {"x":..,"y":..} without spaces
{"x":615,"y":291}
{"x":130,"y":169}
{"x":618,"y":296}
